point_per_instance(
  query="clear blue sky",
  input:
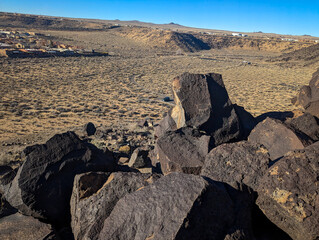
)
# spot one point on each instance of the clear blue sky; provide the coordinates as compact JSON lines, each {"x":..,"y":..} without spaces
{"x":277,"y":16}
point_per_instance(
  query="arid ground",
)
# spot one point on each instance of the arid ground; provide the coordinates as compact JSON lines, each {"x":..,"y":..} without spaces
{"x":42,"y":96}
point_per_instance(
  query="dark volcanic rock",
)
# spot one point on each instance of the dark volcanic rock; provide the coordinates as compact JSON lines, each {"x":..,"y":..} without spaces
{"x":165,"y":125}
{"x":17,"y":226}
{"x":277,"y":137}
{"x":43,"y":185}
{"x":289,"y":194}
{"x":304,"y":97}
{"x":177,"y":206}
{"x":89,"y":129}
{"x":5,"y":208}
{"x":233,"y":163}
{"x":95,"y":195}
{"x":308,"y":124}
{"x":314,"y":85}
{"x":202,"y":102}
{"x":183,"y":150}
{"x":308,"y":96}
{"x":139,"y":159}
{"x":247,"y":121}
{"x":313,"y":108}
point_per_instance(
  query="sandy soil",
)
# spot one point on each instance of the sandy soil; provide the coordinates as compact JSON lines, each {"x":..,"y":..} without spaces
{"x":51,"y":95}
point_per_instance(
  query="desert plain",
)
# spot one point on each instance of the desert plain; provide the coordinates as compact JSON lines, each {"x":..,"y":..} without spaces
{"x":43,"y":96}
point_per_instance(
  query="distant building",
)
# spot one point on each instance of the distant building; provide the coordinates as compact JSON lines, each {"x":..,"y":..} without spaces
{"x":239,"y":35}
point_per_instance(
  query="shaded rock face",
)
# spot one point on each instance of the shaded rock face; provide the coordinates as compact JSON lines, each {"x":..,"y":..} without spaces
{"x":177,"y":206}
{"x":94,"y":196}
{"x":277,"y":138}
{"x":183,"y":150}
{"x":314,"y":85}
{"x":5,"y":208}
{"x":202,"y":102}
{"x":289,"y":195}
{"x":308,"y":96}
{"x":43,"y":185}
{"x":139,"y":159}
{"x":237,"y":163}
{"x":18,"y":226}
{"x":89,"y":129}
{"x":313,"y":108}
{"x":247,"y":121}
{"x":308,"y":124}
{"x":165,"y":125}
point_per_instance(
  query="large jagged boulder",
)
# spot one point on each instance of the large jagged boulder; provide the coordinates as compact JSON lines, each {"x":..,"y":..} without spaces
{"x":237,"y":163}
{"x":165,"y":125}
{"x":177,"y":206}
{"x":43,"y":184}
{"x":182,"y":150}
{"x":308,"y":96}
{"x":202,"y":102}
{"x":314,"y":85}
{"x":94,"y":196}
{"x":18,"y":226}
{"x":289,"y":194}
{"x":313,"y":108}
{"x":278,"y":138}
{"x":247,"y":121}
{"x":307,"y":124}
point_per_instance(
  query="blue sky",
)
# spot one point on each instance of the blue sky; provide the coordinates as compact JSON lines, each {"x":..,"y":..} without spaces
{"x":281,"y":16}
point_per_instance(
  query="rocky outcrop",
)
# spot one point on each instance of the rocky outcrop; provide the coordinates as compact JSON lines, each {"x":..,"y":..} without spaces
{"x":89,"y":129}
{"x":237,"y":164}
{"x":307,"y":124}
{"x":278,"y":138}
{"x":183,"y":150}
{"x":43,"y":184}
{"x":18,"y":226}
{"x":139,"y":159}
{"x":289,"y":195}
{"x":177,"y":206}
{"x":308,"y":96}
{"x":165,"y":125}
{"x":94,"y":196}
{"x":202,"y":102}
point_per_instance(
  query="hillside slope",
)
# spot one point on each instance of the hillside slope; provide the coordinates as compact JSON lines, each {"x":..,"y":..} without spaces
{"x":308,"y":55}
{"x":165,"y":39}
{"x":259,"y":44}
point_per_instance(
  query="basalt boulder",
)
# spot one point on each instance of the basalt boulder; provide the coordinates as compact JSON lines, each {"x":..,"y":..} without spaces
{"x":165,"y":125}
{"x":313,"y":108}
{"x":289,"y":194}
{"x":278,"y":138}
{"x":43,"y":184}
{"x":182,"y":150}
{"x":139,"y":159}
{"x":237,"y":163}
{"x":177,"y":206}
{"x":94,"y":196}
{"x":202,"y":102}
{"x":306,"y":123}
{"x":308,"y":96}
{"x":18,"y":226}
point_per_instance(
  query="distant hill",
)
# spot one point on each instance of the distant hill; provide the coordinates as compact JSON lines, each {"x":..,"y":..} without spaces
{"x":166,"y":39}
{"x":16,"y":20}
{"x":309,"y":55}
{"x":169,"y":36}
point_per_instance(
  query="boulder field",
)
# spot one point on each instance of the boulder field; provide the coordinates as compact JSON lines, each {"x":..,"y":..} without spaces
{"x":207,"y":170}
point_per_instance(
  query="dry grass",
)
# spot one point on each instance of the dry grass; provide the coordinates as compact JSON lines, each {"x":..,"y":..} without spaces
{"x":55,"y":94}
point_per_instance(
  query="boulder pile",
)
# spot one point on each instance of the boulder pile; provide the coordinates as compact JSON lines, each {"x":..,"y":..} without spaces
{"x":308,"y":96}
{"x":207,"y":170}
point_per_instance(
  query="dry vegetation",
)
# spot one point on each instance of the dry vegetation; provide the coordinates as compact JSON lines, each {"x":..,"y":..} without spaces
{"x":51,"y":95}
